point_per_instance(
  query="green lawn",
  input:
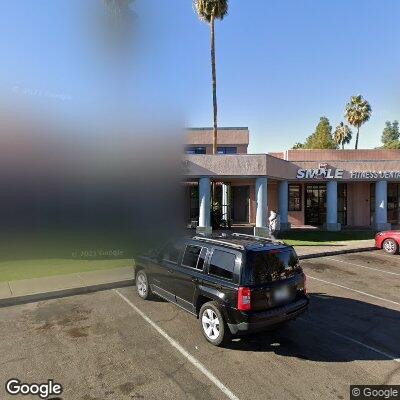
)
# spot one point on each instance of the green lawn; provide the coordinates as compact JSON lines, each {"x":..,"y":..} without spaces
{"x":58,"y":252}
{"x":25,"y":269}
{"x":320,"y":238}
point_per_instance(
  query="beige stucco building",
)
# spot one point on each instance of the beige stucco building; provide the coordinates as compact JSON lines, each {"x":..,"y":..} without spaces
{"x":332,"y":189}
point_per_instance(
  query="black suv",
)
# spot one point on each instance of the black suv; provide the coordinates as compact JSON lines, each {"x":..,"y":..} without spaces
{"x":233,"y":284}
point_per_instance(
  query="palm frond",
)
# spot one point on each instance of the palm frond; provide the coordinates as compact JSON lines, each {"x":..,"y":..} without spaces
{"x":205,"y":9}
{"x":342,"y":134}
{"x":358,"y":111}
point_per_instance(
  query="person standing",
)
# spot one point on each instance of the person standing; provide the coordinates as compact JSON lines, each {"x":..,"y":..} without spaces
{"x":274,"y":223}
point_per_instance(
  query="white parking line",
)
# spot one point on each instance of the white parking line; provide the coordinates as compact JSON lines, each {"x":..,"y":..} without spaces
{"x":387,"y":355}
{"x":177,"y":346}
{"x":390,"y":356}
{"x":354,"y":290}
{"x":362,"y":266}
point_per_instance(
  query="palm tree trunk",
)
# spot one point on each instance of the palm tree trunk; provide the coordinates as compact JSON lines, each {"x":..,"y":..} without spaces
{"x":342,"y":145}
{"x":214,"y":83}
{"x":358,"y":131}
{"x":214,"y":88}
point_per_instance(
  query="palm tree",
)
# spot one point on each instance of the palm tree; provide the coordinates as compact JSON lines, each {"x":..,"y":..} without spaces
{"x":342,"y":134}
{"x":358,"y":111}
{"x":208,"y":11}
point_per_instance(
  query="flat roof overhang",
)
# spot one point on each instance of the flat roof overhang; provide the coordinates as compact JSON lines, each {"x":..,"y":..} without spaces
{"x":237,"y":166}
{"x":256,"y":165}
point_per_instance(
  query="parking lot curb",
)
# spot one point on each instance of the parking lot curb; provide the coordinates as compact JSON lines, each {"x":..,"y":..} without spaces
{"x":336,"y":252}
{"x":54,"y":294}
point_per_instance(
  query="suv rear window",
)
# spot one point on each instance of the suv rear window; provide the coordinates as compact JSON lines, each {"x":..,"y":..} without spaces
{"x":222,"y":264}
{"x":268,"y":266}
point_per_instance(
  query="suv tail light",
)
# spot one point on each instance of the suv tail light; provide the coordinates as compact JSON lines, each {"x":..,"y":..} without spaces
{"x":304,"y":283}
{"x":244,"y":299}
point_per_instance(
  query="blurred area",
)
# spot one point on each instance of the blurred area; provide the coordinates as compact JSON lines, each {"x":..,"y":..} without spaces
{"x":76,"y":194}
{"x":70,"y":193}
{"x":90,"y":156}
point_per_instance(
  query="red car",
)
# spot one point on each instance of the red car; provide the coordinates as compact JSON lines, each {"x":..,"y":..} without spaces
{"x":388,"y":241}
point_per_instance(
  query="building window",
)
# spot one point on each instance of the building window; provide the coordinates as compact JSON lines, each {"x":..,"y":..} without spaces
{"x":393,"y":203}
{"x":342,"y":203}
{"x":226,"y":150}
{"x":195,"y":150}
{"x":372,"y":202}
{"x":294,"y":197}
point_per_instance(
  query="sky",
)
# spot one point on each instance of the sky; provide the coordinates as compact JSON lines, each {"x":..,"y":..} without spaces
{"x":281,"y":64}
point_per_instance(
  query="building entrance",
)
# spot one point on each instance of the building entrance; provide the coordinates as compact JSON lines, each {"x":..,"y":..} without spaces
{"x":240,"y":200}
{"x":315,"y":212}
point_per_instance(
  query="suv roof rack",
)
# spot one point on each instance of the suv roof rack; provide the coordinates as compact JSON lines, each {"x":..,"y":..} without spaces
{"x":243,"y":235}
{"x":221,"y":242}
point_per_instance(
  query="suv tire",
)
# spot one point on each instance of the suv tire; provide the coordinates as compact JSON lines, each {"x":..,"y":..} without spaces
{"x":390,"y":246}
{"x":213,"y":325}
{"x":142,"y":285}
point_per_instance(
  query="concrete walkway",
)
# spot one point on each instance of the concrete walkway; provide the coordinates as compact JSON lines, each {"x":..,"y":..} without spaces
{"x":352,"y":246}
{"x":27,"y":290}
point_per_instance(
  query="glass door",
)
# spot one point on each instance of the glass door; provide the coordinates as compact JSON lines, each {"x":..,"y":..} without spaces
{"x":393,"y":196}
{"x":342,"y":203}
{"x":315,"y":212}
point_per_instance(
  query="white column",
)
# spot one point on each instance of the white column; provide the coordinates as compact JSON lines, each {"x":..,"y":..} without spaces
{"x":225,"y":200}
{"x":284,"y":205}
{"x":261,"y":228}
{"x":331,"y":207}
{"x":204,"y":206}
{"x":381,"y":206}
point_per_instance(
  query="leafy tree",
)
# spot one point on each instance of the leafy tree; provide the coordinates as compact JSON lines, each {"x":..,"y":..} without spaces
{"x":322,"y":137}
{"x":393,"y":145}
{"x":208,"y":11}
{"x":358,"y":111}
{"x":298,"y":145}
{"x":390,"y":135}
{"x":342,"y":135}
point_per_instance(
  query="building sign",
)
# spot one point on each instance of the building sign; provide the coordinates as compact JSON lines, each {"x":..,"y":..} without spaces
{"x":375,"y":174}
{"x":314,"y":173}
{"x":332,"y":173}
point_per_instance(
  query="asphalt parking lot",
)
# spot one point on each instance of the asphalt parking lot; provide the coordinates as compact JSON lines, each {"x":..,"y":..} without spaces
{"x":112,"y":345}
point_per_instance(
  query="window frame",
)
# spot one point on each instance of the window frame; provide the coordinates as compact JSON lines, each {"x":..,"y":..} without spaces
{"x":194,"y":148}
{"x":300,"y":186}
{"x":198,"y":257}
{"x":223,"y":149}
{"x":233,"y":268}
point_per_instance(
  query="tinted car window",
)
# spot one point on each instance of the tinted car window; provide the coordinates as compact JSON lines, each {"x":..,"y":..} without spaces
{"x":268,"y":266}
{"x":222,"y":264}
{"x":191,"y":257}
{"x":171,"y":252}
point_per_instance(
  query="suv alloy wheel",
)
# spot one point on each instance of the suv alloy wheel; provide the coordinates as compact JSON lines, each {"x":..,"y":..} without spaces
{"x":213,"y":324}
{"x":142,"y":285}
